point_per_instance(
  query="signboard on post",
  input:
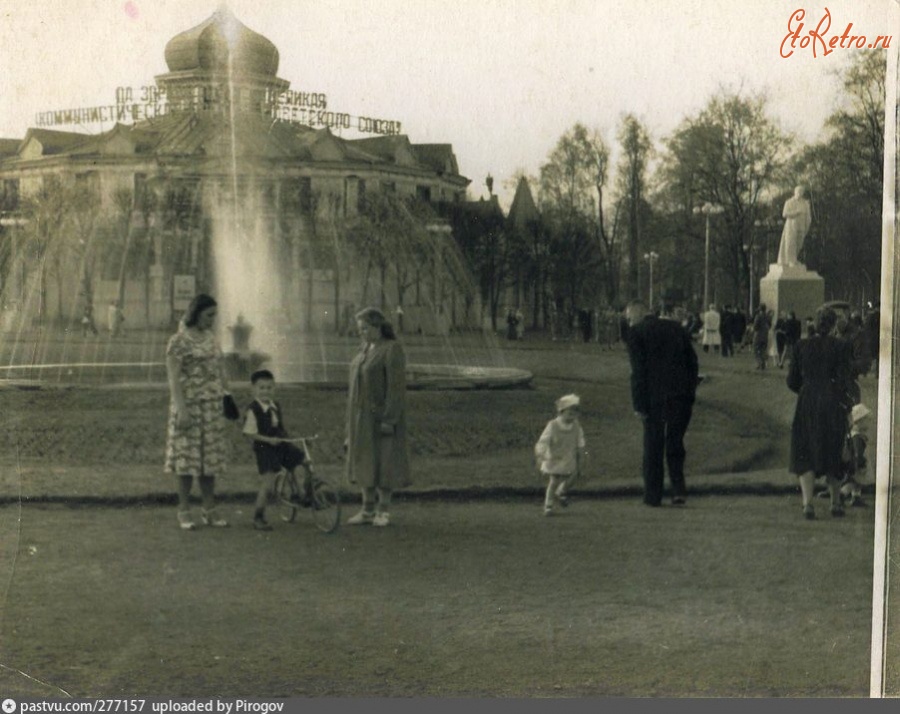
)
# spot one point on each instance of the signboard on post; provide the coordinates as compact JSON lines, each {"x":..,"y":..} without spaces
{"x":183,"y":290}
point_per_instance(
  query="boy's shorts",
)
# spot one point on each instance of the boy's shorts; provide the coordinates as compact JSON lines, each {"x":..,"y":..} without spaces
{"x":273,"y":459}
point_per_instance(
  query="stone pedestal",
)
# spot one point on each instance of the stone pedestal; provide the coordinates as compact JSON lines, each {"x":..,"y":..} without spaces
{"x":787,"y":288}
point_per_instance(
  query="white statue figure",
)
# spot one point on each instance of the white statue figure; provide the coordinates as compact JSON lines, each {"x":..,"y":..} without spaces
{"x":797,"y":218}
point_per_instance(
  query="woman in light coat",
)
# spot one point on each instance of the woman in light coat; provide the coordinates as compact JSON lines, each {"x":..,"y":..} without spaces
{"x":377,"y":452}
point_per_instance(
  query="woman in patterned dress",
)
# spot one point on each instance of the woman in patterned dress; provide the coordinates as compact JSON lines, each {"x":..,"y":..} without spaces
{"x":196,"y":445}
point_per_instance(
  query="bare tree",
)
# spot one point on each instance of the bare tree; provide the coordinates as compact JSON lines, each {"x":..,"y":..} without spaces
{"x":730,"y":154}
{"x":46,"y":212}
{"x":631,"y":186}
{"x":845,"y":176}
{"x":573,"y":172}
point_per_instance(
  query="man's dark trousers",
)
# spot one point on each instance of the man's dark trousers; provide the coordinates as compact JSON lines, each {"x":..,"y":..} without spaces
{"x":664,"y":430}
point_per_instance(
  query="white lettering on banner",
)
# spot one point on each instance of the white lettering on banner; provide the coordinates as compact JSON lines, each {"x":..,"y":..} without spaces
{"x":137,"y":104}
{"x":378,"y":126}
{"x":301,"y":99}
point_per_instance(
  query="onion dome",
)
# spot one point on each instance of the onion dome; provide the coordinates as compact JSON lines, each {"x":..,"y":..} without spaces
{"x":207,"y":47}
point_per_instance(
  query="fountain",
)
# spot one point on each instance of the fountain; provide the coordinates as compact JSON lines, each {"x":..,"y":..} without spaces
{"x":287,"y":272}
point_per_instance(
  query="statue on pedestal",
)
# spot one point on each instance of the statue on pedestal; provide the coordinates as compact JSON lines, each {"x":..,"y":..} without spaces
{"x":797,"y":218}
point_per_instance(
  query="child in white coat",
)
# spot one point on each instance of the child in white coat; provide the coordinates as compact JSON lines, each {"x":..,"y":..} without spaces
{"x":560,"y":452}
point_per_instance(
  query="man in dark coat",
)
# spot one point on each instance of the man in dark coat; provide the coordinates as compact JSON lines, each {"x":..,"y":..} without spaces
{"x":727,"y":332}
{"x":740,"y":328}
{"x":794,"y":332}
{"x":663,"y":386}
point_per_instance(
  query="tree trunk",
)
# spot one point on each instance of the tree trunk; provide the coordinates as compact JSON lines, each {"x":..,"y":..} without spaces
{"x":495,"y":300}
{"x":42,"y":293}
{"x":123,"y":268}
{"x":63,"y":319}
{"x":310,"y":276}
{"x":337,"y":298}
{"x":365,"y":290}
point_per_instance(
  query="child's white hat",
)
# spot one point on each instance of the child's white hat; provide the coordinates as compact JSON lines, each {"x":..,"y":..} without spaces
{"x":570,"y":400}
{"x":859,"y":411}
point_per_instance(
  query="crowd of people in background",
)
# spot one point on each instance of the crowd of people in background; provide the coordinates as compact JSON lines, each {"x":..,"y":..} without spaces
{"x":724,"y":331}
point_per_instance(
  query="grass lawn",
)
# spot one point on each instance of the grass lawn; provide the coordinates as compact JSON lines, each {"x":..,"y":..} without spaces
{"x":83,"y":440}
{"x":733,"y":596}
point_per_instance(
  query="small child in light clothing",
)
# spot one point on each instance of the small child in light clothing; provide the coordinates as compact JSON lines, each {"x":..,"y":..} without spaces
{"x":851,"y":489}
{"x":560,"y":452}
{"x":264,"y":425}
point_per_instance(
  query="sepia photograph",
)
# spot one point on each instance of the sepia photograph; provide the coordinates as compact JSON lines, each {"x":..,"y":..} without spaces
{"x":499,"y":349}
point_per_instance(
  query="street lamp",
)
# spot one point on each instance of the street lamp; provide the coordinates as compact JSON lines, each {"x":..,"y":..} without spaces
{"x":751,"y":249}
{"x":651,"y":258}
{"x":707,"y":209}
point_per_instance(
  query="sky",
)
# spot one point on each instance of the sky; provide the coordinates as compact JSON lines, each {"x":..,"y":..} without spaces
{"x":500,"y":80}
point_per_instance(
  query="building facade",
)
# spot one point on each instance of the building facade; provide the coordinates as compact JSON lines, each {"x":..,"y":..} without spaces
{"x":132,"y":212}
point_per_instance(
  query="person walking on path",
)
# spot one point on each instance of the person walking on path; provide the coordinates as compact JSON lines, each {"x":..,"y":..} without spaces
{"x":511,"y":324}
{"x":727,"y":332}
{"x":761,"y":325}
{"x":377,"y":452}
{"x":585,"y":324}
{"x":781,"y":339}
{"x":711,"y":324}
{"x":740,"y":328}
{"x":793,"y":330}
{"x":819,"y":429}
{"x":196,"y":446}
{"x":664,"y":373}
{"x":560,"y":452}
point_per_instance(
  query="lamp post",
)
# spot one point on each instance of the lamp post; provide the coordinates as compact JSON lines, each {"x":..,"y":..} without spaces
{"x":707,"y":209}
{"x":651,"y":258}
{"x":750,"y":249}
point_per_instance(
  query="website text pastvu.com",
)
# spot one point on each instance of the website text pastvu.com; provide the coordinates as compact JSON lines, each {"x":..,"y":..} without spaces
{"x":170,"y":706}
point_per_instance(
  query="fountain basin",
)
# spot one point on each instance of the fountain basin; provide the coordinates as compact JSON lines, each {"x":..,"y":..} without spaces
{"x":317,"y":375}
{"x":333,"y":375}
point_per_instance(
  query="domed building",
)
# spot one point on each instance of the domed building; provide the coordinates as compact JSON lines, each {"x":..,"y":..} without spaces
{"x":222,"y":140}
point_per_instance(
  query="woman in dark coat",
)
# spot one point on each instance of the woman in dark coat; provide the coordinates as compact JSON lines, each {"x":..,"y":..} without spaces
{"x":377,"y":452}
{"x":781,"y":339}
{"x":817,"y":373}
{"x":761,"y":325}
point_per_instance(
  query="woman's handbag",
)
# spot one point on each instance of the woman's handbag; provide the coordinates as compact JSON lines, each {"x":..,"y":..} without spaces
{"x":230,"y":408}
